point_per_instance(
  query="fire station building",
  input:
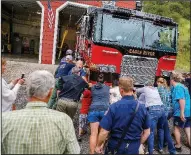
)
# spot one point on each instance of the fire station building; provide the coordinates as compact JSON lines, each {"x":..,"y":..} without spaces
{"x":36,"y":28}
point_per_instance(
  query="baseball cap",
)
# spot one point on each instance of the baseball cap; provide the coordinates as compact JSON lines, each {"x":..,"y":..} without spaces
{"x":69,"y":57}
{"x":69,"y":52}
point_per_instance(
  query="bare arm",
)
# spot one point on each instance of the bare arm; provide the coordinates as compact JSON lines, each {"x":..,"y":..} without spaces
{"x":145,"y":135}
{"x":182,"y":106}
{"x":101,"y":139}
{"x":85,"y":79}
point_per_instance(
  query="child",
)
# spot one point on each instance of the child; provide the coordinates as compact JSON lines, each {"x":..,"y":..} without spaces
{"x":86,"y":101}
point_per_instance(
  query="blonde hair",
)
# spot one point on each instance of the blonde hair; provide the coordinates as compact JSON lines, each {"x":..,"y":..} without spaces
{"x":3,"y":61}
{"x":126,"y":83}
{"x":177,"y":77}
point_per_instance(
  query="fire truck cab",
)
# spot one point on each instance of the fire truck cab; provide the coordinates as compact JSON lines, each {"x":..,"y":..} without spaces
{"x":125,"y":42}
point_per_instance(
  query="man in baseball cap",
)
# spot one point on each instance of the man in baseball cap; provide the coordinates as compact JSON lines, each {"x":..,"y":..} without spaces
{"x":68,"y":52}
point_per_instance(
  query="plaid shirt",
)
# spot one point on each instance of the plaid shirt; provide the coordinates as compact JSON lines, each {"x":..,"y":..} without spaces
{"x":166,"y":96}
{"x":38,"y":130}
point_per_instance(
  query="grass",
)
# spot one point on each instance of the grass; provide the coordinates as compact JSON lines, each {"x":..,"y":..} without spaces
{"x":183,"y":59}
{"x":183,"y":62}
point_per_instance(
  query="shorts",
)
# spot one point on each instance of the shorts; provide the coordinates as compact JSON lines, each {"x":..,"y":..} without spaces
{"x":178,"y":122}
{"x":83,"y":121}
{"x":95,"y":116}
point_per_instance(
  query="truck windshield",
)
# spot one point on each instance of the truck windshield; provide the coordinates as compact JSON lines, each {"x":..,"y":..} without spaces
{"x":134,"y":32}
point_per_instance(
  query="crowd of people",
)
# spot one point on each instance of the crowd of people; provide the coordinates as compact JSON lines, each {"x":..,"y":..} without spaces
{"x":122,"y":119}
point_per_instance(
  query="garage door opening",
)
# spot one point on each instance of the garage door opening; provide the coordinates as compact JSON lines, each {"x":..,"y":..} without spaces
{"x":68,"y":16}
{"x":20,"y":30}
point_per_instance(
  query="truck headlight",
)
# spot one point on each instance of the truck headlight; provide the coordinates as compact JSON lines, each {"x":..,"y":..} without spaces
{"x":107,"y":68}
{"x":165,"y":73}
{"x":103,"y":68}
{"x":112,"y":69}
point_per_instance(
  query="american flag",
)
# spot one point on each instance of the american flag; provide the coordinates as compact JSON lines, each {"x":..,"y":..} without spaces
{"x":50,"y":15}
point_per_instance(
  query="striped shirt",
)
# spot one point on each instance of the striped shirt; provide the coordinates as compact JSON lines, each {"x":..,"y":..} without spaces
{"x":38,"y":130}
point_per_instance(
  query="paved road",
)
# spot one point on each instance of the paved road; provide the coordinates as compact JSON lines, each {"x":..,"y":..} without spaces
{"x":15,"y":69}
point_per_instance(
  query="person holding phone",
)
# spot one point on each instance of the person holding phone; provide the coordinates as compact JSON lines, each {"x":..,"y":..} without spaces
{"x":9,"y":91}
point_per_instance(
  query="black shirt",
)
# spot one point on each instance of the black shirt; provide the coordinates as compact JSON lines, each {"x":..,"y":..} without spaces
{"x":73,"y":87}
{"x":188,"y":84}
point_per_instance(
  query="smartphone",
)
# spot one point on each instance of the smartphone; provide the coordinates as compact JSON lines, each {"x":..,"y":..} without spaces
{"x":22,"y":76}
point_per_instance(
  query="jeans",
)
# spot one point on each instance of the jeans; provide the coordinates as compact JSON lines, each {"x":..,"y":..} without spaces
{"x":157,"y":119}
{"x":167,"y":135}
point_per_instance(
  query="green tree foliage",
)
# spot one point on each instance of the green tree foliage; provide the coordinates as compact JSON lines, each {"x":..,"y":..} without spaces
{"x":180,"y":12}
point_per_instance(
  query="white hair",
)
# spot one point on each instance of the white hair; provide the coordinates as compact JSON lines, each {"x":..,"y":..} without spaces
{"x":39,"y":84}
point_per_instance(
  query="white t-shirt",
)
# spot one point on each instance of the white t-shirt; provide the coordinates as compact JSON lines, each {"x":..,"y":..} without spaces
{"x":151,"y":95}
{"x":9,"y":94}
{"x":114,"y":95}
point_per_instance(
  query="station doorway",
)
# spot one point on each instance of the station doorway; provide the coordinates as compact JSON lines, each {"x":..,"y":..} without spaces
{"x":20,"y":30}
{"x":69,"y":16}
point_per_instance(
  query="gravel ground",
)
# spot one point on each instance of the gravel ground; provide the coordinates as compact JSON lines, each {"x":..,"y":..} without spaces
{"x":15,"y":69}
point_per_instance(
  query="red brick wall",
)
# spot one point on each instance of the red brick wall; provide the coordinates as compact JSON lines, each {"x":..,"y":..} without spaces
{"x":48,"y":34}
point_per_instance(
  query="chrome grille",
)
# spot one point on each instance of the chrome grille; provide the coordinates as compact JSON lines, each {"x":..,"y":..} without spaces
{"x":141,"y":69}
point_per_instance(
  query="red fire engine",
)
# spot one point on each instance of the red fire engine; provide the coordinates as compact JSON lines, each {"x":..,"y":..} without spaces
{"x":125,"y":42}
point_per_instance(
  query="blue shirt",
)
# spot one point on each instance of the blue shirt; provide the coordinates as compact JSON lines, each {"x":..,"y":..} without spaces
{"x":82,"y":72}
{"x":100,"y":97}
{"x":119,"y":115}
{"x":64,"y":69}
{"x":180,"y":92}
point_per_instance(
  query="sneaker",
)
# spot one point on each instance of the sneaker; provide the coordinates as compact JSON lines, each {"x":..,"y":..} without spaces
{"x":79,"y":138}
{"x":178,"y":149}
{"x":161,"y":151}
{"x":147,"y":152}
